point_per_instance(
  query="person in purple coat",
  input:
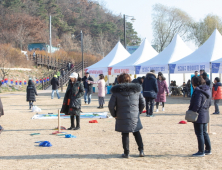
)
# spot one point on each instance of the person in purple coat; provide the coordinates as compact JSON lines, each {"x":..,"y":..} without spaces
{"x":162,"y":88}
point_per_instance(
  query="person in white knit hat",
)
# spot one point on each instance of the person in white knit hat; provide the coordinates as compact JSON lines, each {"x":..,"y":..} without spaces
{"x":72,"y":100}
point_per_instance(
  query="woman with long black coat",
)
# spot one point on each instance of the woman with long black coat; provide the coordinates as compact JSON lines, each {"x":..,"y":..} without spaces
{"x":200,"y":102}
{"x":72,"y":100}
{"x":31,"y":92}
{"x":126,"y":105}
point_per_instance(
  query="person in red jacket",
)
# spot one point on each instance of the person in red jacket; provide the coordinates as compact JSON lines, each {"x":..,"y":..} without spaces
{"x":217,"y":94}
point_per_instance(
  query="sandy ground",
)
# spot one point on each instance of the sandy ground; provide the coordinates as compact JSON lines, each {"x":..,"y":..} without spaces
{"x":167,"y":144}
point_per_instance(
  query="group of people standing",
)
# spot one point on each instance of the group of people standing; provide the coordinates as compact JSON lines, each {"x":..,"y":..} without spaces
{"x":129,"y":98}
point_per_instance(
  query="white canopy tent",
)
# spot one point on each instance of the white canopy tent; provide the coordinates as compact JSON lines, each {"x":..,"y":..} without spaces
{"x":176,"y":50}
{"x":201,"y":58}
{"x":118,"y":54}
{"x":143,"y":53}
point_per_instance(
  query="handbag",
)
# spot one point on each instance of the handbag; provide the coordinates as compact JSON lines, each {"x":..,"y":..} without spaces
{"x":192,"y":116}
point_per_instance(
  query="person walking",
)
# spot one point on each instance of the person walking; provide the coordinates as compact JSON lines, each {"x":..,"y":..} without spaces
{"x":101,"y":90}
{"x":1,"y":114}
{"x":63,"y":72}
{"x":205,"y":77}
{"x":88,"y":87}
{"x":162,"y":88}
{"x":72,"y":101}
{"x":150,"y":90}
{"x":126,"y":104}
{"x":200,"y":102}
{"x":217,"y":94}
{"x":58,"y":74}
{"x":31,"y":93}
{"x":55,"y":86}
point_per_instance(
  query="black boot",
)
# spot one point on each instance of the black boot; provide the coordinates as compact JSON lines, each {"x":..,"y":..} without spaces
{"x":141,"y":154}
{"x":102,"y":106}
{"x":77,"y":122}
{"x":125,"y":155}
{"x":99,"y":107}
{"x":72,"y":123}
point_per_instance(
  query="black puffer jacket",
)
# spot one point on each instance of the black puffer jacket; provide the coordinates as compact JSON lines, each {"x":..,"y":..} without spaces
{"x":73,"y":94}
{"x":126,"y":104}
{"x":138,"y":80}
{"x":54,"y":83}
{"x":199,"y":96}
{"x":150,"y":86}
{"x":31,"y":91}
{"x":88,"y":86}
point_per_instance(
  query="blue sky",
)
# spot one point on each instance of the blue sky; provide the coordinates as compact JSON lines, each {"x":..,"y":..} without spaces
{"x":142,"y":11}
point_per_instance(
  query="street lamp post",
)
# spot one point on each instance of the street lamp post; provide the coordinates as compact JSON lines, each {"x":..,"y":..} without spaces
{"x":82,"y":53}
{"x":124,"y":18}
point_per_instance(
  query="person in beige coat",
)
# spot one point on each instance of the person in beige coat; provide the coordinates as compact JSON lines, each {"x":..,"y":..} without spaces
{"x":101,"y":90}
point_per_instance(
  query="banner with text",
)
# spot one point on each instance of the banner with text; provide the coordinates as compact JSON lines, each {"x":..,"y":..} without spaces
{"x":216,"y":68}
{"x":188,"y":68}
{"x":97,"y":71}
{"x":146,"y":69}
{"x":119,"y":70}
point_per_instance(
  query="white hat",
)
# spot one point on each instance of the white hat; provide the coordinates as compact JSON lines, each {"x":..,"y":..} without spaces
{"x":74,"y":75}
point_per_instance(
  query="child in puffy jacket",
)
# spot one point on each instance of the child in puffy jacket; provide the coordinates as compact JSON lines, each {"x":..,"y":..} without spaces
{"x":217,"y":94}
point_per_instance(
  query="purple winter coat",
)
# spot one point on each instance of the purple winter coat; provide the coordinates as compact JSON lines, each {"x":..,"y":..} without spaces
{"x":162,"y":86}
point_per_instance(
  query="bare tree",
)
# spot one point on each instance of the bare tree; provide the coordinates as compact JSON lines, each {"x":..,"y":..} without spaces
{"x":167,"y":22}
{"x":201,"y":31}
{"x":4,"y":55}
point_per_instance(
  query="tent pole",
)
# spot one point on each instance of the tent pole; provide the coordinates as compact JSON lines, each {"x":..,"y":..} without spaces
{"x":169,"y":78}
{"x":184,"y":77}
{"x":211,"y":85}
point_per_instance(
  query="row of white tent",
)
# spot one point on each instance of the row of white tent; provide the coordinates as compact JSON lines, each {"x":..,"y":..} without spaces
{"x":175,"y":58}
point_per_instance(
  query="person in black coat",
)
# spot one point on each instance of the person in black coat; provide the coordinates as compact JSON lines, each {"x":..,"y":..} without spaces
{"x":72,"y":100}
{"x":1,"y":114}
{"x":126,"y":104}
{"x":55,"y":86}
{"x":116,"y":80}
{"x":200,"y":102}
{"x":204,"y":76}
{"x":31,"y":92}
{"x":150,"y":90}
{"x":88,"y":87}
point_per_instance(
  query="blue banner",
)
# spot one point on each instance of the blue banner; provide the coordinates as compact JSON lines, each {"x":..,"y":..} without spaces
{"x":215,"y":67}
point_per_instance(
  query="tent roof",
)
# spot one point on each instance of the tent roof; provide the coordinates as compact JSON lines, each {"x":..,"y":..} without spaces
{"x":176,"y":50}
{"x":211,"y":50}
{"x":117,"y":54}
{"x":142,"y":54}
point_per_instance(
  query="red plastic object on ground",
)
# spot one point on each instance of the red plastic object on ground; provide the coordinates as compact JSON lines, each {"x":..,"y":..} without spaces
{"x":182,"y":122}
{"x":93,"y":121}
{"x":144,"y":111}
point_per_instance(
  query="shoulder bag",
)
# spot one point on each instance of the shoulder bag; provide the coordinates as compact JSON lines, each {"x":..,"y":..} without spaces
{"x":192,"y":116}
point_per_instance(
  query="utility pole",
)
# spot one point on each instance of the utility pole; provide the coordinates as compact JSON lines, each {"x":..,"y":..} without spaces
{"x":124,"y":18}
{"x":50,"y":33}
{"x":82,"y":53}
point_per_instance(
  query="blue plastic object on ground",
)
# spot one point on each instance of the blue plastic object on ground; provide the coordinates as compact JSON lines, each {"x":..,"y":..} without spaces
{"x":45,"y":144}
{"x":108,"y":89}
{"x":70,"y":136}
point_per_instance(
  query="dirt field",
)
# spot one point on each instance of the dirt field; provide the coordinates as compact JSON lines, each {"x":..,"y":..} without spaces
{"x":167,"y":144}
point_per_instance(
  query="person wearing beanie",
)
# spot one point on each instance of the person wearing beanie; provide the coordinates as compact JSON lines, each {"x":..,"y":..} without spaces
{"x":217,"y":94}
{"x":55,"y":86}
{"x":31,"y":92}
{"x":72,"y":100}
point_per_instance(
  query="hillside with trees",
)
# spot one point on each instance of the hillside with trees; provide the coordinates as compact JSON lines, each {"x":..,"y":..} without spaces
{"x":27,"y":21}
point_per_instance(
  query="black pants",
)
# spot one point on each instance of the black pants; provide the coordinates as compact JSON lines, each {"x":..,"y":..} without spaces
{"x":125,"y":141}
{"x":30,"y":104}
{"x":149,"y":105}
{"x":157,"y":104}
{"x":202,"y":136}
{"x":77,"y":121}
